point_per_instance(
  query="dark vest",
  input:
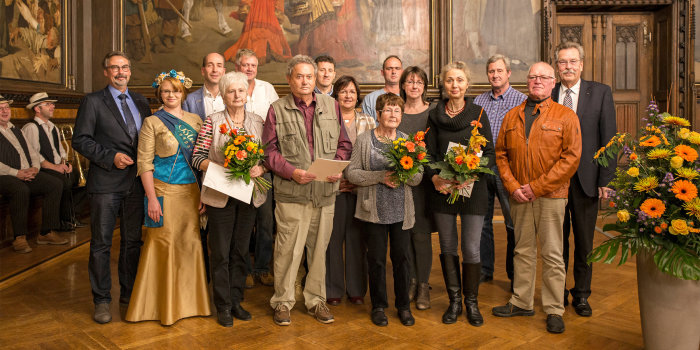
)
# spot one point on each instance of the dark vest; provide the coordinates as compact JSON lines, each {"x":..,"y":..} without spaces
{"x":45,"y":148}
{"x":8,"y":153}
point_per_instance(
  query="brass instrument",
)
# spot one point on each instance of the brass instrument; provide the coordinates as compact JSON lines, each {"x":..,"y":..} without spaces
{"x":71,"y":155}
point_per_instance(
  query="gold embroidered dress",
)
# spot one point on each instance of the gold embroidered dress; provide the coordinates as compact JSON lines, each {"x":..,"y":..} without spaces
{"x":171,"y":281}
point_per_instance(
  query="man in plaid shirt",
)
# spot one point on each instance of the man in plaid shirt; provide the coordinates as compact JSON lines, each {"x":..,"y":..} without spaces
{"x":496,"y":103}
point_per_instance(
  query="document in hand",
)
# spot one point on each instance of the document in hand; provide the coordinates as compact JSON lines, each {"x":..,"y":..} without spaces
{"x":217,"y":179}
{"x":324,"y":168}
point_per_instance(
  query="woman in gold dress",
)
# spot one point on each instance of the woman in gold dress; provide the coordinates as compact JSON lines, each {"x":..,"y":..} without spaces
{"x":170,"y":283}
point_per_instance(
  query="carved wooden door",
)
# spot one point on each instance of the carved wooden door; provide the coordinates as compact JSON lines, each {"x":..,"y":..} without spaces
{"x":618,"y":49}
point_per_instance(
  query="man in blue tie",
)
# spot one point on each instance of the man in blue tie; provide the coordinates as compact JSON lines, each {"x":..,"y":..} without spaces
{"x":106,"y":133}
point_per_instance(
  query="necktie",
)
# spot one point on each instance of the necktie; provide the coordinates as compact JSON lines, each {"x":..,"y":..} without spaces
{"x":568,"y":102}
{"x":130,"y":124}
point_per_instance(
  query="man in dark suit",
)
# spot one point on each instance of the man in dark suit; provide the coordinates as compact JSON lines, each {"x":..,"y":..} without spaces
{"x":593,"y":103}
{"x":208,"y":100}
{"x":106,"y":133}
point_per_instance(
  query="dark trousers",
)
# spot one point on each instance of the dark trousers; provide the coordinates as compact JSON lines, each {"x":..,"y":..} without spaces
{"x":264,"y":241}
{"x":495,"y":188}
{"x":104,"y":210}
{"x":349,"y":275}
{"x":377,"y":236}
{"x":229,"y":235}
{"x":18,"y":192}
{"x":580,"y":214}
{"x":67,"y":181}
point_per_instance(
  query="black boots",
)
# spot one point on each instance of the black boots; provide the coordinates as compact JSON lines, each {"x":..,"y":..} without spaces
{"x":450,"y":272}
{"x":470,"y":280}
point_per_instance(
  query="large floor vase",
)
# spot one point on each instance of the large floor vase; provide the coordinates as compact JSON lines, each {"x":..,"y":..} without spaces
{"x":669,"y":307}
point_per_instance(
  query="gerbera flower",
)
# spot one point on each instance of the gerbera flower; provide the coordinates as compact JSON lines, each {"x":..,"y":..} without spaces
{"x":406,"y":162}
{"x":651,"y":141}
{"x":671,"y":120}
{"x":472,"y":161}
{"x":653,"y":208}
{"x":239,"y":140}
{"x":660,"y":153}
{"x":686,"y":152}
{"x":646,"y":184}
{"x":687,"y":173}
{"x":693,"y":207}
{"x":684,"y":190}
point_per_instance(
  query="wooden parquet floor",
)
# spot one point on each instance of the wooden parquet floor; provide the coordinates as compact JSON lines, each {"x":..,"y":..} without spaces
{"x":51,"y":308}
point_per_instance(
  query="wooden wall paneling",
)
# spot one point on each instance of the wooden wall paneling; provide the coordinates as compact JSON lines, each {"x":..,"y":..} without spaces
{"x":664,"y":61}
{"x":106,"y":36}
{"x":627,"y":116}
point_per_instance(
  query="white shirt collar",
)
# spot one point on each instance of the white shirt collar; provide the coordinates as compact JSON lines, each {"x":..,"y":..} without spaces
{"x":574,"y":89}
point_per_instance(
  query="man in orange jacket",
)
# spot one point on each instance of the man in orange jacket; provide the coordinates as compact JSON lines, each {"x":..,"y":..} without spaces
{"x":537,"y":152}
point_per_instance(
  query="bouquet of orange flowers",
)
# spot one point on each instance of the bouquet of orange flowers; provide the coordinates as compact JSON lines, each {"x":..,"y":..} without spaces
{"x":407,"y":156}
{"x":464,"y":164}
{"x":656,"y":195}
{"x":242,"y":152}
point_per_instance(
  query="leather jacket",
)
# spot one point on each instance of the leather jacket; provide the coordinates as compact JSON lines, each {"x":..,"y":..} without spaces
{"x":547,"y":158}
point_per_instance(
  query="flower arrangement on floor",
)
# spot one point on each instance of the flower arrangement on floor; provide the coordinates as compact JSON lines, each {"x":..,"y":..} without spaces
{"x":407,"y":156}
{"x":464,"y":164}
{"x":656,"y":195}
{"x":242,"y":152}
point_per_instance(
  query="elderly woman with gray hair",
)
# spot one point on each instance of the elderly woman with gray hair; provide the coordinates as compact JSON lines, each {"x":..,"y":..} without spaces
{"x":230,"y":220}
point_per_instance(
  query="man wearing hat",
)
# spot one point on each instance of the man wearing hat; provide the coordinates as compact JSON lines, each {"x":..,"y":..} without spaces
{"x":20,"y":178}
{"x":42,"y":135}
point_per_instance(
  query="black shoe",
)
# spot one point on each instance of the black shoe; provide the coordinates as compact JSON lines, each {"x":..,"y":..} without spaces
{"x":471,"y":277}
{"x":582,"y":307}
{"x":240,"y":313}
{"x":555,"y":324}
{"x":406,"y":317}
{"x":78,"y":224}
{"x":485,"y":278}
{"x":510,"y":310}
{"x":453,"y":283}
{"x":379,"y":317}
{"x":65,"y":227}
{"x":224,"y":317}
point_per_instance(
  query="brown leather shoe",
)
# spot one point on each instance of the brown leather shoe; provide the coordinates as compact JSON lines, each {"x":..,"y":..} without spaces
{"x":265,"y":278}
{"x":282,"y":317}
{"x":20,"y":245}
{"x":249,"y":282}
{"x":423,"y":296}
{"x":51,"y":238}
{"x":322,"y":313}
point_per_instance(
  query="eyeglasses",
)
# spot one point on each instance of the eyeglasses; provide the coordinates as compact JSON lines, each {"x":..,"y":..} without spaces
{"x":539,"y":77}
{"x":116,"y":68}
{"x":47,"y":104}
{"x":569,"y":62}
{"x":5,"y":108}
{"x":415,"y":82}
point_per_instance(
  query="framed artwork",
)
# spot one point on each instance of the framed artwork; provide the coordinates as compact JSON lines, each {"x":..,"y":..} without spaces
{"x":33,"y":41}
{"x":358,"y":34}
{"x":483,"y":28}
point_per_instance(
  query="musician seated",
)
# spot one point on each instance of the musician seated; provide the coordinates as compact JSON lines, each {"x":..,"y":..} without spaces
{"x":43,"y":137}
{"x":20,"y":178}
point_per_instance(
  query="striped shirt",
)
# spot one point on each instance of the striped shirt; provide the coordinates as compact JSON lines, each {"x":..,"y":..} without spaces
{"x":497,"y":107}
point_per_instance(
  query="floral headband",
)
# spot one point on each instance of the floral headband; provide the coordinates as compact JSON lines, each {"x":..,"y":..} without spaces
{"x":187,"y":82}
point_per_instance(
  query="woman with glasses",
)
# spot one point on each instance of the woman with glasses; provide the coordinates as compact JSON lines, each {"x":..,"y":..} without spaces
{"x":452,"y":121}
{"x":349,"y":276}
{"x":386,"y":207}
{"x":170,"y":283}
{"x":415,"y":118}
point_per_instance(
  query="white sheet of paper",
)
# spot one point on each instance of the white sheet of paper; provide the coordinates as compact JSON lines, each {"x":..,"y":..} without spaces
{"x":324,"y":168}
{"x":217,"y":179}
{"x":466,"y":191}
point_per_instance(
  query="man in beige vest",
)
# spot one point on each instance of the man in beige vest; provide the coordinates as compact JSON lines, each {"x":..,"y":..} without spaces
{"x":301,"y":127}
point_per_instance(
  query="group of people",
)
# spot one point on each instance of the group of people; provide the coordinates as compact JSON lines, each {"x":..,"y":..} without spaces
{"x":332,"y":234}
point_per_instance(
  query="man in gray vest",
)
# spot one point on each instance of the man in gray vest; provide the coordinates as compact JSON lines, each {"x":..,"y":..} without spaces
{"x":43,"y":136}
{"x":301,"y":127}
{"x":20,"y":178}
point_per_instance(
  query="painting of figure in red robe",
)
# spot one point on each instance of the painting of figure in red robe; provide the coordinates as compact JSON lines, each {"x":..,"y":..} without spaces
{"x":358,"y":34}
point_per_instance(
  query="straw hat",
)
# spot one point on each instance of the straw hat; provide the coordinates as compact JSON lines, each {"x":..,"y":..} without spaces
{"x":38,"y":98}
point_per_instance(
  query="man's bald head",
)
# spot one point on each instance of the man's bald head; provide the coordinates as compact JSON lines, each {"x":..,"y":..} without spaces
{"x":540,"y":81}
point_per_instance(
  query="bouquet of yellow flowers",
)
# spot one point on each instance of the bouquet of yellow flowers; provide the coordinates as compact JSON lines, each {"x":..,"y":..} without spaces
{"x":464,"y":164}
{"x":242,"y":152}
{"x":656,"y":195}
{"x":407,"y":156}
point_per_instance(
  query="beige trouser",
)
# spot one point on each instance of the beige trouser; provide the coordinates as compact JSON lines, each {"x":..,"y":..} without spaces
{"x":300,"y":225}
{"x":540,"y":219}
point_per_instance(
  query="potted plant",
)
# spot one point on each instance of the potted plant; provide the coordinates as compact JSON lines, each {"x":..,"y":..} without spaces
{"x":658,"y":217}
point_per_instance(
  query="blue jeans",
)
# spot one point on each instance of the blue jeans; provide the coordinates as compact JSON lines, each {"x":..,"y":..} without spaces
{"x":495,"y":187}
{"x":104,"y":210}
